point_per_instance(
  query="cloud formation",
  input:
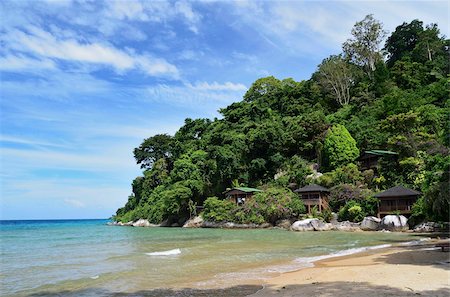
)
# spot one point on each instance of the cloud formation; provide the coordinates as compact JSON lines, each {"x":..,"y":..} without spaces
{"x":42,"y":44}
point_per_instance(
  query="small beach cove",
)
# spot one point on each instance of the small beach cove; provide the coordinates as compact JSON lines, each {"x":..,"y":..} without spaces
{"x":107,"y":261}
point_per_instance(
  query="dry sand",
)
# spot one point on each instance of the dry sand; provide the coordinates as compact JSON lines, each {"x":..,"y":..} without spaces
{"x":397,"y":271}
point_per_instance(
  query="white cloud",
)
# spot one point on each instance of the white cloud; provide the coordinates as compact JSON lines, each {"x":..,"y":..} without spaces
{"x":150,"y":11}
{"x":317,"y":28}
{"x":215,"y":86}
{"x":184,"y":8}
{"x":127,"y":10}
{"x":47,"y":46}
{"x":75,"y":203}
{"x":23,"y":63}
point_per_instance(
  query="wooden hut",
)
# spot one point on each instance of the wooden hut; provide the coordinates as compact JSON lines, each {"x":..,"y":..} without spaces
{"x":369,"y":159}
{"x":240,"y":195}
{"x":314,"y":195}
{"x":396,"y":200}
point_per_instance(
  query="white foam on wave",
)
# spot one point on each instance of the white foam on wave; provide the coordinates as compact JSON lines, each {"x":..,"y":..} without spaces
{"x":309,"y":261}
{"x":95,"y":277}
{"x":165,"y":253}
{"x":417,"y":242}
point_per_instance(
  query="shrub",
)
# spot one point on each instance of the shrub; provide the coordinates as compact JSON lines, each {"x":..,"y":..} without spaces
{"x":344,"y":193}
{"x":351,"y":211}
{"x":339,"y":147}
{"x":216,"y":210}
{"x":277,"y":203}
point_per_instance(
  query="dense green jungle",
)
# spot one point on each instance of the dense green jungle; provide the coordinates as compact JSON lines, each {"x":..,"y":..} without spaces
{"x":383,"y":91}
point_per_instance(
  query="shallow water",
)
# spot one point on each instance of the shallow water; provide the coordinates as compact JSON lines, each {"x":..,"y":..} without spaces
{"x":82,"y":255}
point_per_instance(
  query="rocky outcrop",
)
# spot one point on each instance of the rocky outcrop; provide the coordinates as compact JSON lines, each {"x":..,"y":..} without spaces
{"x":121,"y":224}
{"x":370,"y":224}
{"x":394,"y":223}
{"x":347,"y":226}
{"x":303,"y":225}
{"x":320,"y":225}
{"x":311,"y":225}
{"x":195,"y":222}
{"x":427,"y":227}
{"x":143,"y":223}
{"x":231,"y":225}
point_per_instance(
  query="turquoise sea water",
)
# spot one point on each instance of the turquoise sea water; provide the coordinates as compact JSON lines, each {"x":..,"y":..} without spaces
{"x":71,"y":255}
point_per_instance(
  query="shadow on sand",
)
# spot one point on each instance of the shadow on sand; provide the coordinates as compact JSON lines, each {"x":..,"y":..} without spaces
{"x":315,"y":289}
{"x":419,"y":256}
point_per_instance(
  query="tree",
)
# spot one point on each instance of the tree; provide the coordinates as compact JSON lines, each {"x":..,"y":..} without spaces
{"x":364,"y":48}
{"x":153,"y":149}
{"x":403,"y":41}
{"x":335,"y":75}
{"x":339,"y":147}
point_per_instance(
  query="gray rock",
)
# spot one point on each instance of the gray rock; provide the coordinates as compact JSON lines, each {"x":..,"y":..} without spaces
{"x":208,"y":224}
{"x":141,"y":223}
{"x":394,"y":223}
{"x":347,"y":226}
{"x":370,"y":223}
{"x":195,"y":222}
{"x":303,"y":225}
{"x":320,"y":225}
{"x":427,"y":227}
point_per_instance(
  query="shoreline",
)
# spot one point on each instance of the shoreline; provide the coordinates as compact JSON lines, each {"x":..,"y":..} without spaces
{"x":399,"y":270}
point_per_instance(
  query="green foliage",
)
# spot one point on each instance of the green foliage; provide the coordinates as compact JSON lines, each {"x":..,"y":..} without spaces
{"x":216,"y":210}
{"x":269,"y":206}
{"x":153,"y":149}
{"x":339,"y":147}
{"x":293,"y":170}
{"x":351,"y":211}
{"x":363,"y":47}
{"x":343,"y":194}
{"x":277,"y":203}
{"x":281,"y":126}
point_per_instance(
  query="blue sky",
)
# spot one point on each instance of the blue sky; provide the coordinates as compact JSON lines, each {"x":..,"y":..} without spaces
{"x":84,"y":82}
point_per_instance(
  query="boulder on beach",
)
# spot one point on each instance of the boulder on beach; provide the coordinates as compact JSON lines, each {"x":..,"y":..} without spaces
{"x":195,"y":222}
{"x":303,"y":225}
{"x":347,"y":226}
{"x":320,"y":225}
{"x":394,"y":223}
{"x":141,"y":223}
{"x":427,"y":227}
{"x":370,"y":223}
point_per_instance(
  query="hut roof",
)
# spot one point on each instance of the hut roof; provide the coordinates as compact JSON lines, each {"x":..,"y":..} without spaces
{"x":380,"y":153}
{"x":312,"y":188}
{"x":244,"y":189}
{"x":397,"y":191}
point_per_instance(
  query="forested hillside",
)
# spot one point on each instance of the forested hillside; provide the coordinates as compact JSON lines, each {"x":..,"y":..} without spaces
{"x":382,"y":92}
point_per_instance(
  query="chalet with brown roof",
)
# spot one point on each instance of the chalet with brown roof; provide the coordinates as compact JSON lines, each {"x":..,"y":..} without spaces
{"x":396,"y":200}
{"x":314,"y":196}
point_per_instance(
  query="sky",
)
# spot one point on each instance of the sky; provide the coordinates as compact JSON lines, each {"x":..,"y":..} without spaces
{"x":84,"y":82}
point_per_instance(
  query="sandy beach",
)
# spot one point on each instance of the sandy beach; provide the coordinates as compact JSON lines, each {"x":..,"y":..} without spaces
{"x":421,"y":270}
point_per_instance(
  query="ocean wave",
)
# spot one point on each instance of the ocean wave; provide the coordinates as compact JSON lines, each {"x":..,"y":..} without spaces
{"x":417,"y":242}
{"x":165,"y":253}
{"x":309,"y":261}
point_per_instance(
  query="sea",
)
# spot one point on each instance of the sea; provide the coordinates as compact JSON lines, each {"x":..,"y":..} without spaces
{"x":91,"y":258}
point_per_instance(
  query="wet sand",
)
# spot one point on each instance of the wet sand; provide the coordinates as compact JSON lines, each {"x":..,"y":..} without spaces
{"x":397,"y":271}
